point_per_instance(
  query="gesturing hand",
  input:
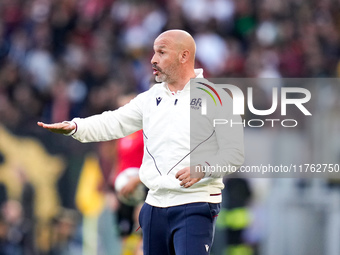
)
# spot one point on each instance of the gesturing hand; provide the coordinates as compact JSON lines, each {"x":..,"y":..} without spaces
{"x":187,"y":177}
{"x":59,"y":128}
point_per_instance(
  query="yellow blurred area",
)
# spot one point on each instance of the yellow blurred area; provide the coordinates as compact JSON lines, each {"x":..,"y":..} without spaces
{"x":90,"y":201}
{"x":132,"y":245}
{"x":235,"y":219}
{"x":239,"y":250}
{"x":28,"y":156}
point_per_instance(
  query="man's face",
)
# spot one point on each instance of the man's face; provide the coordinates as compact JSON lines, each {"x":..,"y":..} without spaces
{"x":165,"y":61}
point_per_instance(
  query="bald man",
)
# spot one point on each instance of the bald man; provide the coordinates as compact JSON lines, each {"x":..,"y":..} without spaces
{"x":179,"y":213}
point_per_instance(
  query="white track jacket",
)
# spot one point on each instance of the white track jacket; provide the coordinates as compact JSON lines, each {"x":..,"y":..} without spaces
{"x":170,"y":139}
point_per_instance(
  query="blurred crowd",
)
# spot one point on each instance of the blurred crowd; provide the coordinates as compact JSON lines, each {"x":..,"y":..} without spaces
{"x":65,"y":58}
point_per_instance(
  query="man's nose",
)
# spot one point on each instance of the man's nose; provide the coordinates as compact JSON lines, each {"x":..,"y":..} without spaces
{"x":154,"y":60}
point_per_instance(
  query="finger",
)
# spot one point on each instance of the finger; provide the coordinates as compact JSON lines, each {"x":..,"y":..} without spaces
{"x":183,"y":176}
{"x":50,"y":126}
{"x":184,"y":182}
{"x":58,"y":126}
{"x":191,"y":182}
{"x":187,"y":185}
{"x":179,"y":173}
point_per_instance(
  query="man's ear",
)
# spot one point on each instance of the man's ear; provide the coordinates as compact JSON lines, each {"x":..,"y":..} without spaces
{"x":184,"y":56}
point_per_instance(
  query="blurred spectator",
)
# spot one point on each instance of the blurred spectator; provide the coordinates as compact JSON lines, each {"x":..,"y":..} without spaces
{"x":64,"y":241}
{"x":212,"y":52}
{"x":16,"y":232}
{"x":28,"y":216}
{"x":5,"y":247}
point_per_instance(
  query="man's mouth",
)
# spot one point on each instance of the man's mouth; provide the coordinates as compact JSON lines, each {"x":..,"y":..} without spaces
{"x":156,"y":70}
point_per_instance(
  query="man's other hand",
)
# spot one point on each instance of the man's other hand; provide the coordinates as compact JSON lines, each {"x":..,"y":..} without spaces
{"x":187,"y":177}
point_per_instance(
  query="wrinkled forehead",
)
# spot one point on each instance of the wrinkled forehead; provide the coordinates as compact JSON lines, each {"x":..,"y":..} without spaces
{"x":164,"y":42}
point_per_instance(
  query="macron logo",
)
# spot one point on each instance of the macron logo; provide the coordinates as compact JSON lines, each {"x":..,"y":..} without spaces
{"x":206,"y":247}
{"x":158,"y":100}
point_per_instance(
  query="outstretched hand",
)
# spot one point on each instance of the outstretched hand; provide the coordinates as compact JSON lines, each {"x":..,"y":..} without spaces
{"x":59,"y":128}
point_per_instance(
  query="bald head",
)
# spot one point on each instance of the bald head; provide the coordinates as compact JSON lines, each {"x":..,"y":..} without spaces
{"x":174,"y":58}
{"x":179,"y":40}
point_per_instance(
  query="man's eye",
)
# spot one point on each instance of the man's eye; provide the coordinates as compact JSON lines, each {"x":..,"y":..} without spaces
{"x":161,"y":52}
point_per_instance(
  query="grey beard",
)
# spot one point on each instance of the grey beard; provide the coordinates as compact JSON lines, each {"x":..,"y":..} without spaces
{"x":160,"y":78}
